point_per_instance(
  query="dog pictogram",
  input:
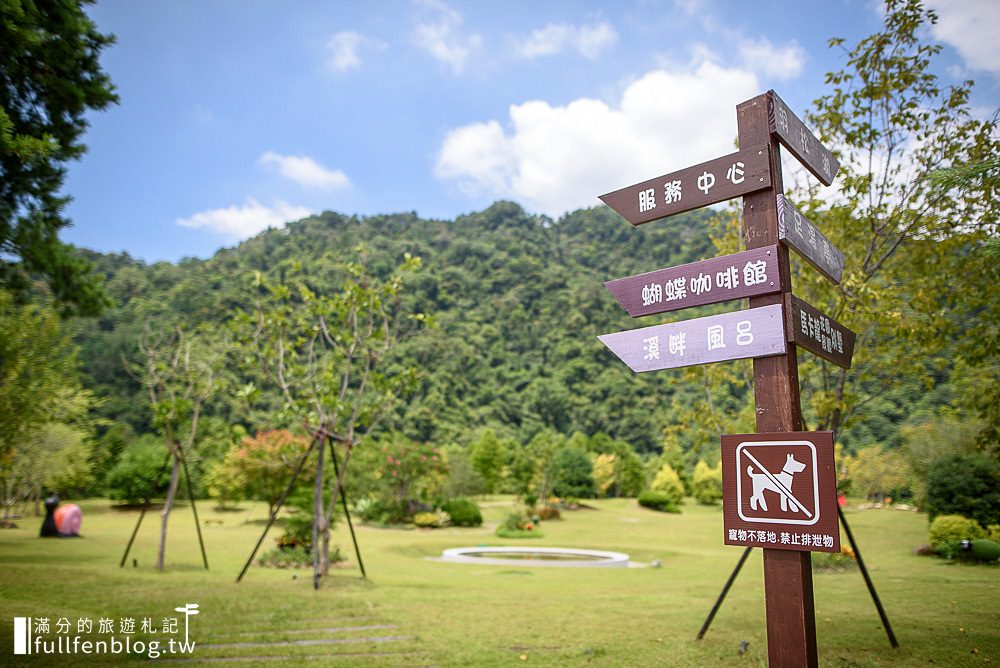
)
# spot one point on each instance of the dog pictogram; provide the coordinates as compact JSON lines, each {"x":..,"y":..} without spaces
{"x":779,"y":483}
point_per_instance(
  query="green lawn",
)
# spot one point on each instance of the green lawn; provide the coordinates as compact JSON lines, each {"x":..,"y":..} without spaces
{"x":415,"y":612}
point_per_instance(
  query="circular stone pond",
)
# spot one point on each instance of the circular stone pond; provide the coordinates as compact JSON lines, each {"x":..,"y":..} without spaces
{"x":536,"y":556}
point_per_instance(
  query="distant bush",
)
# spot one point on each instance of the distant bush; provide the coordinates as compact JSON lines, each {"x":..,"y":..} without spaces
{"x":140,"y":473}
{"x":431,"y":520}
{"x":573,"y":474}
{"x":660,"y":501}
{"x":375,"y":511}
{"x":993,"y":532}
{"x":463,"y":512}
{"x":967,"y":485}
{"x":668,"y":482}
{"x":706,"y":484}
{"x":548,"y":512}
{"x":948,"y":531}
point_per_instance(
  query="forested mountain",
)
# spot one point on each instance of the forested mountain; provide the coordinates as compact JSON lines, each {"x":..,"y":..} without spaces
{"x":518,"y":301}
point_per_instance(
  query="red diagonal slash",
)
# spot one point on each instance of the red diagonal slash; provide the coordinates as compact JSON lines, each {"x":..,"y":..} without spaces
{"x":784,"y":491}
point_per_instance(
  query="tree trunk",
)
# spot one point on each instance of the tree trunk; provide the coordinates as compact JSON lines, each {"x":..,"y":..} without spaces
{"x":167,"y":505}
{"x":318,"y":522}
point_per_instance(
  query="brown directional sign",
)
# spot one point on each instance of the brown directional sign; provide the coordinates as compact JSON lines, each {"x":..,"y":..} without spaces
{"x":746,"y":274}
{"x":805,"y":239}
{"x":779,"y":491}
{"x":755,"y":332}
{"x":818,"y":333}
{"x":694,"y":187}
{"x":797,"y":138}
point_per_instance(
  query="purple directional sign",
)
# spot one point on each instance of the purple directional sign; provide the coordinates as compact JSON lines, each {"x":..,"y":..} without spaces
{"x":694,"y":187}
{"x":798,"y":139}
{"x":747,"y":274}
{"x":756,"y":332}
{"x":805,"y":238}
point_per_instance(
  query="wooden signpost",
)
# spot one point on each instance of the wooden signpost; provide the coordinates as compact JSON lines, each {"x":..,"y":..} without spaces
{"x":779,"y":485}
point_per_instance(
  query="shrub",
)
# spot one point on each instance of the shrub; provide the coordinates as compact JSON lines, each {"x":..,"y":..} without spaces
{"x":294,"y":557}
{"x":660,"y":501}
{"x":707,"y":483}
{"x":548,"y":512}
{"x":141,"y":472}
{"x":993,"y":532}
{"x":668,"y":482}
{"x":967,"y":485}
{"x":375,"y":511}
{"x":573,"y":473}
{"x":430,"y":520}
{"x":834,"y":562}
{"x":463,"y":512}
{"x":948,"y":531}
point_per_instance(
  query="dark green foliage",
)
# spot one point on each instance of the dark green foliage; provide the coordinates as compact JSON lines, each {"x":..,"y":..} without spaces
{"x":572,"y":473}
{"x":967,"y":485}
{"x":660,"y":501}
{"x":463,"y":512}
{"x":142,"y":471}
{"x":50,"y":78}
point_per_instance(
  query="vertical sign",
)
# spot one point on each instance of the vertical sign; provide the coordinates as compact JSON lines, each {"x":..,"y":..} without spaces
{"x":806,"y":239}
{"x":819,"y":333}
{"x":798,"y":139}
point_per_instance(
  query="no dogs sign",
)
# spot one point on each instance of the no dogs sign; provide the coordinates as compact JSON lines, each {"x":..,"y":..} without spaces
{"x":779,"y":491}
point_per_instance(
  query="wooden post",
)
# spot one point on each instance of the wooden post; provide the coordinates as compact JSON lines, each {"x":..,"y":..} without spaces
{"x":788,"y":590}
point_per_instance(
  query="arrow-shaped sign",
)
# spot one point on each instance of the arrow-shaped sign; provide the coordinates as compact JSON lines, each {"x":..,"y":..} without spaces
{"x":692,"y":188}
{"x":756,"y":332}
{"x":747,"y":274}
{"x":806,"y":239}
{"x":798,"y":139}
{"x":818,"y":333}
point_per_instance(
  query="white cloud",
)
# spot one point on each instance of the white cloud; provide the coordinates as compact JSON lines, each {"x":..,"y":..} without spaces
{"x":241,"y":222}
{"x":970,"y":26}
{"x":343,"y":50}
{"x":558,"y":158}
{"x":441,"y":36}
{"x":306,"y":171}
{"x":589,"y":41}
{"x":771,"y":61}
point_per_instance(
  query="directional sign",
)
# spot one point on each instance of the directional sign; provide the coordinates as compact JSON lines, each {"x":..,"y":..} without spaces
{"x":818,"y":333}
{"x":804,"y":238}
{"x":692,"y":188}
{"x":746,"y":274}
{"x":797,"y":138}
{"x":780,"y":491}
{"x":756,"y":332}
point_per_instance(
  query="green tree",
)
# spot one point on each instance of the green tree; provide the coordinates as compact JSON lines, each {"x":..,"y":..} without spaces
{"x":180,"y":371}
{"x":894,"y":125}
{"x":876,"y":472}
{"x":50,"y":78}
{"x":707,"y":483}
{"x":325,"y":352}
{"x":572,"y":473}
{"x":487,"y":455}
{"x":669,"y":483}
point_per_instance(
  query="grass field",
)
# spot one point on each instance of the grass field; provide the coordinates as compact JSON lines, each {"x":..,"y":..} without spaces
{"x":416,"y":612}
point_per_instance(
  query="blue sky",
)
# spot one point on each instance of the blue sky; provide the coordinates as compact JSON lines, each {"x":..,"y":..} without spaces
{"x":237,"y":115}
